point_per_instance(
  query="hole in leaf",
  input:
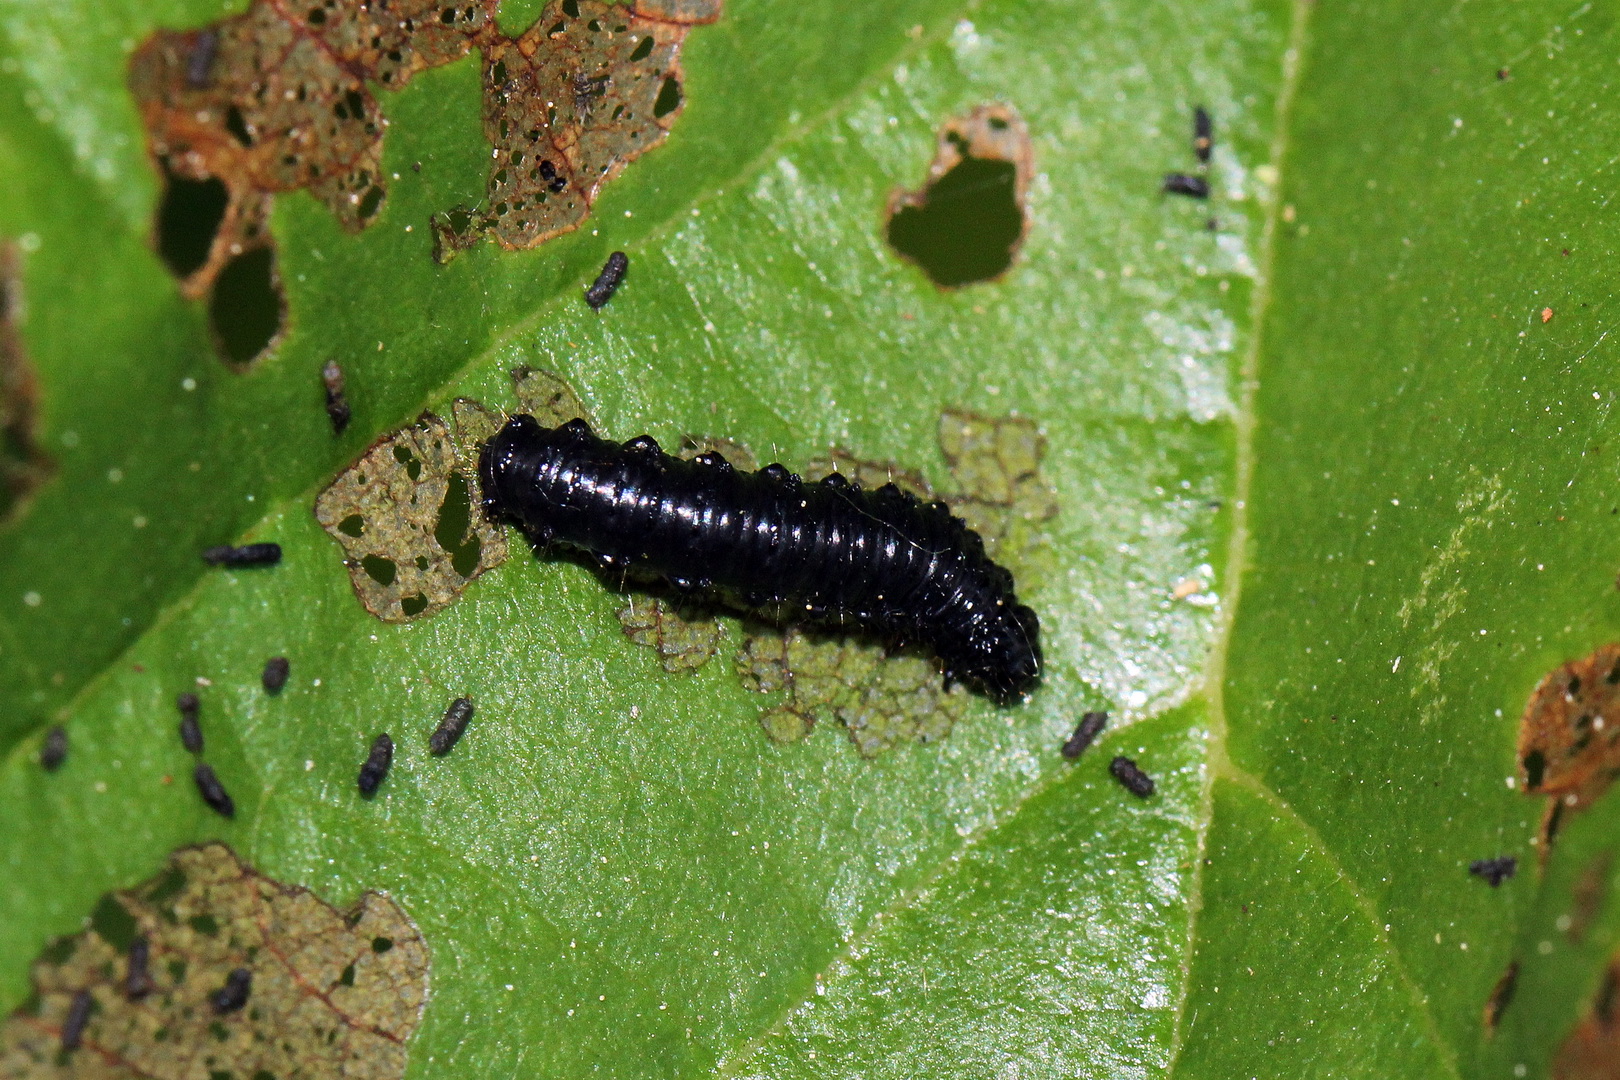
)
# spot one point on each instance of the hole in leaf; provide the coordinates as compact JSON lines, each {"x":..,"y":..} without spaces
{"x":245,"y":308}
{"x":643,"y":50}
{"x":966,"y":223}
{"x":379,"y":569}
{"x":669,"y":98}
{"x":413,"y":606}
{"x":188,"y":220}
{"x":115,"y":925}
{"x":353,"y":525}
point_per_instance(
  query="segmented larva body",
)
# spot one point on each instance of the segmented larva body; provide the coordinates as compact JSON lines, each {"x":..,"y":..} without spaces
{"x":824,"y":552}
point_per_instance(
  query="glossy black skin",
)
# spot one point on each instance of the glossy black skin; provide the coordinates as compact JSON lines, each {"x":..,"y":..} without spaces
{"x":825,"y":552}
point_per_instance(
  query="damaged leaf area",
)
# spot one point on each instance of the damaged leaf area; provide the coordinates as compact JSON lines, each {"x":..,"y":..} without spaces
{"x":274,"y":100}
{"x":587,"y":89}
{"x":406,"y":516}
{"x":684,"y":641}
{"x":883,"y":697}
{"x":154,"y":986}
{"x":995,"y":464}
{"x":965,"y":224}
{"x":1592,"y":1050}
{"x":23,"y":465}
{"x":1569,"y":737}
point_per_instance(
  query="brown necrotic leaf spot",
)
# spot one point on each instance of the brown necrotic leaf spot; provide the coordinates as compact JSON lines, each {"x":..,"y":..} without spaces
{"x":406,"y":514}
{"x":276,"y":99}
{"x":1591,"y":1051}
{"x":965,"y":224}
{"x":1569,"y":737}
{"x":587,"y":89}
{"x":272,"y":100}
{"x":333,"y":993}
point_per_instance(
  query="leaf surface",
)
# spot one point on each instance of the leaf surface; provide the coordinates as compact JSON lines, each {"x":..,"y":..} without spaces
{"x":1331,"y":500}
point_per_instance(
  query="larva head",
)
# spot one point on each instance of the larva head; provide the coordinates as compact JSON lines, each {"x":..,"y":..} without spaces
{"x":1005,"y":656}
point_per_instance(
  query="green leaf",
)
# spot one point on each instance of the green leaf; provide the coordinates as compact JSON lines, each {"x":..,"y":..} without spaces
{"x":1332,"y":499}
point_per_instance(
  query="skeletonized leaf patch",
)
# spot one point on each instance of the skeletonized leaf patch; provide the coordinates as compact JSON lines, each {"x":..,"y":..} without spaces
{"x":210,"y":970}
{"x":411,"y":530}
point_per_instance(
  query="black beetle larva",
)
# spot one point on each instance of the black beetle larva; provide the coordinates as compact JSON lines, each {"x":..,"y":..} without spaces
{"x":826,"y":552}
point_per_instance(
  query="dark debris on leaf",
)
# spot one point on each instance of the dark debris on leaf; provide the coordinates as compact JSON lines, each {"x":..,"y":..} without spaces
{"x":1495,"y":870}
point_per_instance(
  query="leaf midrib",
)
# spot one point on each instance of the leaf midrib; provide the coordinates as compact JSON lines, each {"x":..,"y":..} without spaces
{"x":1219,"y":763}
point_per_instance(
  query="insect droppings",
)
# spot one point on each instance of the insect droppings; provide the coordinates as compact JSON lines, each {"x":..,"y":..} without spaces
{"x":138,"y":975}
{"x":213,"y":792}
{"x":607,"y":282}
{"x":54,"y":752}
{"x":337,"y":405}
{"x":825,"y":552}
{"x":246,"y":555}
{"x":1090,"y":725}
{"x":190,"y":730}
{"x":1495,"y":871}
{"x":1131,"y":778}
{"x":78,"y":1015}
{"x":234,"y":994}
{"x":200,"y":63}
{"x":1181,"y":184}
{"x":1203,"y":134}
{"x":276,"y":670}
{"x":375,"y":769}
{"x":448,"y":733}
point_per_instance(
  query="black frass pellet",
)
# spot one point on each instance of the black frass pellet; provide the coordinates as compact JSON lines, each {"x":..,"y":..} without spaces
{"x":375,"y":769}
{"x":200,"y":63}
{"x":138,"y":975}
{"x":213,"y":792}
{"x":337,"y":403}
{"x":246,"y":555}
{"x":78,"y":1015}
{"x":1203,"y":134}
{"x":55,"y":749}
{"x":1084,"y":734}
{"x":1181,"y":184}
{"x":191,"y":735}
{"x":448,"y":733}
{"x":276,"y":670}
{"x":1131,"y":778}
{"x":607,"y":282}
{"x":1495,"y":871}
{"x":234,"y":994}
